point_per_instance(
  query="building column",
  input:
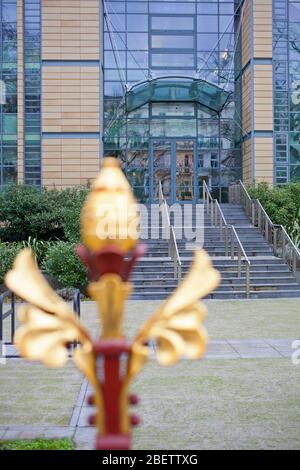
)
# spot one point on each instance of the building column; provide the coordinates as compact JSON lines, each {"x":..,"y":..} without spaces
{"x":257,"y":92}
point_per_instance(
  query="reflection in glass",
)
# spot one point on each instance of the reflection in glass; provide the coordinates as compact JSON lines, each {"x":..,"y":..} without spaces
{"x":175,"y":8}
{"x":162,"y":167}
{"x":165,"y":23}
{"x":207,"y":8}
{"x":9,"y":13}
{"x":173,"y":128}
{"x":137,"y":59}
{"x":9,"y":174}
{"x":173,"y":109}
{"x":207,"y":24}
{"x":185,"y":170}
{"x":173,"y":60}
{"x":166,"y":41}
{"x":10,"y":124}
{"x":138,"y":173}
{"x":137,"y":41}
{"x":137,"y":23}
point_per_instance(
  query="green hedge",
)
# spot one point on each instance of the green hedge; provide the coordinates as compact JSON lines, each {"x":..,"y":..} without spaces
{"x":8,"y":252}
{"x":282,"y":204}
{"x":26,"y":212}
{"x":63,"y":264}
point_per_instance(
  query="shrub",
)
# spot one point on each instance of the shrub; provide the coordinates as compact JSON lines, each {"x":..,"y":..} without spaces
{"x":8,"y":252}
{"x":282,"y":204}
{"x":72,"y":203}
{"x":39,"y":248}
{"x":27,"y":212}
{"x":63,"y":264}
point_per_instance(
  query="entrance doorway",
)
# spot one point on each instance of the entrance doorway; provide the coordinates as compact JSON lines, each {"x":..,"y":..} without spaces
{"x":172,"y":161}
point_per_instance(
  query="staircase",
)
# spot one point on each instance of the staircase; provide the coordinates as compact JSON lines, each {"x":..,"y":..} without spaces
{"x":270,"y":277}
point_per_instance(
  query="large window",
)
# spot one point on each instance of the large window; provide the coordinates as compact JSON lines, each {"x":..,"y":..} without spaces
{"x":8,"y":70}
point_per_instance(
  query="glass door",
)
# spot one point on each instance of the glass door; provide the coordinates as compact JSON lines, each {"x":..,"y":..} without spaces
{"x":161,"y":168}
{"x":184,"y":170}
{"x":173,"y":163}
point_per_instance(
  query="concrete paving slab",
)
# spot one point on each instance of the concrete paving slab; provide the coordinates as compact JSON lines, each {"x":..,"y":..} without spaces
{"x":75,"y":416}
{"x":84,"y":438}
{"x":260,"y":354}
{"x":85,"y":412}
{"x":220,"y":356}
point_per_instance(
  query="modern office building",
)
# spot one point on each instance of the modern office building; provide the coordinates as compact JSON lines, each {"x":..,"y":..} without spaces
{"x":179,"y":91}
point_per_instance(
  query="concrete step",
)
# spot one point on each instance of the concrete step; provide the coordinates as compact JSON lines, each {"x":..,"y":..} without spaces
{"x":227,"y":278}
{"x":224,"y":295}
{"x":237,"y":286}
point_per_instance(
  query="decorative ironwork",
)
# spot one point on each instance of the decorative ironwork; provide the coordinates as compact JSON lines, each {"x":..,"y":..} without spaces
{"x":49,"y":326}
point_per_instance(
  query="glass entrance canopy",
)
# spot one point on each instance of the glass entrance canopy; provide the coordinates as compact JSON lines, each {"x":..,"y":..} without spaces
{"x":177,"y":89}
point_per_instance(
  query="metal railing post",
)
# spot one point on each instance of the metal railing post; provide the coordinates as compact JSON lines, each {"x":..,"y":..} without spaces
{"x":173,"y":251}
{"x":232,"y":244}
{"x":226,"y":240}
{"x":1,"y":318}
{"x":239,"y":263}
{"x":247,"y":281}
{"x":266,"y":230}
{"x":13,"y":319}
{"x":253,"y":213}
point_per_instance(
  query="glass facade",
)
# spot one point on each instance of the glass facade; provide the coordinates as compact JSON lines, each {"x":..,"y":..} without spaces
{"x":32,"y":86}
{"x":32,"y":92}
{"x":286,"y":70}
{"x":8,"y":64}
{"x":178,"y":142}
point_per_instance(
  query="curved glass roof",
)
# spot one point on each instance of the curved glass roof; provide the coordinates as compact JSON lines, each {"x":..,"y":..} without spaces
{"x":170,"y":89}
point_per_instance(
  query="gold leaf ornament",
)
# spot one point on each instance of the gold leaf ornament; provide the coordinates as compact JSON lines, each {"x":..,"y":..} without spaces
{"x":110,"y":215}
{"x":177,"y":326}
{"x":48,"y":323}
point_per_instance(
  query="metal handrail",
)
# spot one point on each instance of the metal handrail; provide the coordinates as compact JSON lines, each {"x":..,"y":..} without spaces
{"x":169,"y":234}
{"x":218,"y":219}
{"x":275,"y":234}
{"x":241,"y":253}
{"x":208,"y":202}
{"x":174,"y":253}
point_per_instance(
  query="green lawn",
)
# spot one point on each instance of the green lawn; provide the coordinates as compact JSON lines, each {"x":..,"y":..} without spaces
{"x":33,"y":394}
{"x":38,"y":444}
{"x":231,"y":319}
{"x":233,"y":404}
{"x":234,"y":319}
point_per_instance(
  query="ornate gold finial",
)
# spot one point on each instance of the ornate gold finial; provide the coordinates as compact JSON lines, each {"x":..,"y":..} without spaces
{"x":49,"y":325}
{"x":110,"y":215}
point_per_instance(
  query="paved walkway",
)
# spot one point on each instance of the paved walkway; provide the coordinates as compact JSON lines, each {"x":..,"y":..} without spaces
{"x":226,"y":349}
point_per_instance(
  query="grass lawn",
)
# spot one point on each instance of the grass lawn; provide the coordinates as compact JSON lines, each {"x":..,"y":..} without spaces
{"x":230,"y":319}
{"x":234,"y":319}
{"x":233,"y":404}
{"x":38,"y":444}
{"x":33,"y":394}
